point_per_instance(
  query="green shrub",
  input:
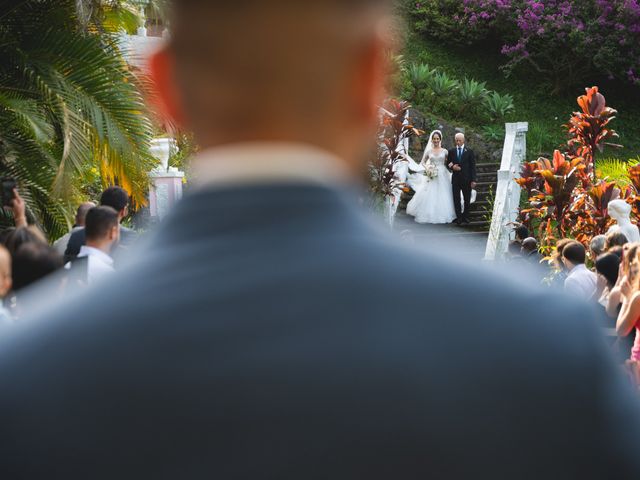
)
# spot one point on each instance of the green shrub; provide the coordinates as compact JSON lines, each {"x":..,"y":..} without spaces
{"x":442,"y":85}
{"x":420,"y":75}
{"x":494,"y":133}
{"x":498,"y":106}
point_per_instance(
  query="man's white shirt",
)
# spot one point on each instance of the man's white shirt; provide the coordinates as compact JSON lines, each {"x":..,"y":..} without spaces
{"x":99,"y":263}
{"x":581,"y":282}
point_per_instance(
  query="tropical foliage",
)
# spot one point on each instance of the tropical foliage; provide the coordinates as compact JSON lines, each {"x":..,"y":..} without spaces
{"x":70,"y":108}
{"x":466,"y":99}
{"x":392,"y":133}
{"x":566,"y":197}
{"x":560,"y":40}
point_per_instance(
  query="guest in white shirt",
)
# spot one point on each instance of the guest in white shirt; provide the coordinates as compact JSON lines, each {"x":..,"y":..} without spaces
{"x":581,"y":282}
{"x":81,"y":215}
{"x":5,"y":283}
{"x":102,"y":228}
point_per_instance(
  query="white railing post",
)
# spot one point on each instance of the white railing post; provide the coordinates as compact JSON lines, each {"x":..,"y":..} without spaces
{"x":507,"y":195}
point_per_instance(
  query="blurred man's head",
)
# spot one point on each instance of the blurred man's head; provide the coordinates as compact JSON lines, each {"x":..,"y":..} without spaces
{"x":460,"y":139}
{"x":81,"y":214}
{"x":5,"y":272}
{"x":274,"y":70}
{"x":102,"y":228}
{"x":116,"y":198}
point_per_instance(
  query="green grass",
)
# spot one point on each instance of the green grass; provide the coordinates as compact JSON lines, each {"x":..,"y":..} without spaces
{"x":545,"y":114}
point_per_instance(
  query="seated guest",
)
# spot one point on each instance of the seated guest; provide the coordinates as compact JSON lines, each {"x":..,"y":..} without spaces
{"x":61,"y":244}
{"x":118,"y":199}
{"x":102,"y":231}
{"x":597,"y":246}
{"x":5,"y":283}
{"x":613,"y":239}
{"x":580,"y":282}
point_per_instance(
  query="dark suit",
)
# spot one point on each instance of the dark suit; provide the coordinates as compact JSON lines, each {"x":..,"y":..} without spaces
{"x":261,"y":336}
{"x":78,"y":239}
{"x":461,"y":181}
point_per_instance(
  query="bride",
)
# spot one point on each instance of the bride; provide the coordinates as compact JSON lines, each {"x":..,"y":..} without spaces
{"x":433,"y":200}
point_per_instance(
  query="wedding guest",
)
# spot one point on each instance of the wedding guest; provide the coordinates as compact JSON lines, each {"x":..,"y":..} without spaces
{"x":614,"y":239}
{"x":597,"y":246}
{"x":530,"y":250}
{"x":628,"y":272}
{"x":259,"y":336}
{"x":629,"y":316}
{"x":22,"y":236}
{"x":617,"y":251}
{"x":607,"y":268}
{"x":118,"y":199}
{"x":61,"y":244}
{"x":32,"y":262}
{"x":5,"y":283}
{"x":514,"y":251}
{"x":580,"y":282}
{"x":522,"y":232}
{"x":102,"y":232}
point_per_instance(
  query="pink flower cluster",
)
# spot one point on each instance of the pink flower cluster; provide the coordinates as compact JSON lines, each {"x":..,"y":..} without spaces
{"x":601,"y":35}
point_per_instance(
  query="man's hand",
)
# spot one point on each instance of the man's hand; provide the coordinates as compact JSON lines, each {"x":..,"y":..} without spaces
{"x":457,"y":168}
{"x":19,"y":210}
{"x":473,"y":184}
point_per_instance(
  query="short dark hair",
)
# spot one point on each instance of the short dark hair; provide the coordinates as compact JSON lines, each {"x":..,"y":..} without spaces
{"x":615,"y":238}
{"x":608,"y":265}
{"x":83,"y":209}
{"x":617,"y":251}
{"x":115,"y":197}
{"x":100,"y":220}
{"x":522,"y":232}
{"x":32,"y":262}
{"x":575,"y":253}
{"x":529,"y":245}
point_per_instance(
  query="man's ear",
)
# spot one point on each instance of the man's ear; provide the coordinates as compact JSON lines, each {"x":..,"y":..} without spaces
{"x":113,"y":234}
{"x":5,"y":284}
{"x":162,"y":71}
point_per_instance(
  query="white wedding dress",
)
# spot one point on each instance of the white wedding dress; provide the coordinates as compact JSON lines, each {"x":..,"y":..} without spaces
{"x":433,"y":201}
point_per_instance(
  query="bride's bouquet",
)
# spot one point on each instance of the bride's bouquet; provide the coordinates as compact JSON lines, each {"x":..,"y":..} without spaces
{"x":430,"y":171}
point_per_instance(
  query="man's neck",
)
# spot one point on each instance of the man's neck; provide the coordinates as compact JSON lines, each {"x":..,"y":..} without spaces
{"x":104,"y":247}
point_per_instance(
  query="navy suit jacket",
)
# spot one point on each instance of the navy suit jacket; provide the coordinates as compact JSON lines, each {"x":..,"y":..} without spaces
{"x":467,"y":163}
{"x":272,"y":333}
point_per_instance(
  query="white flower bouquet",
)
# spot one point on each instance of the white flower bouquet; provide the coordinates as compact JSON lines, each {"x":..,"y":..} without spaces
{"x":430,"y":171}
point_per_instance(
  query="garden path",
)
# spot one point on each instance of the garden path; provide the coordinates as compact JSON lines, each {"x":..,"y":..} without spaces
{"x":462,"y":242}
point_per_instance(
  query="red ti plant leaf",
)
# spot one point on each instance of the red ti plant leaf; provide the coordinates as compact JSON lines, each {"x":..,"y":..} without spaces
{"x":588,"y":132}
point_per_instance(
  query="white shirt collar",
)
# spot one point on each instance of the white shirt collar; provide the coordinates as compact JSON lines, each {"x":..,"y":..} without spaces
{"x":86,"y":251}
{"x":267,"y":162}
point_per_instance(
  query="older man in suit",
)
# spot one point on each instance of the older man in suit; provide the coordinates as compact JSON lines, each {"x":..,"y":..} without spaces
{"x":259,"y":336}
{"x":462,"y":164}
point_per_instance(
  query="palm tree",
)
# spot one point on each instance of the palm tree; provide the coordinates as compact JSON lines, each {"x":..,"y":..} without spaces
{"x":69,"y":105}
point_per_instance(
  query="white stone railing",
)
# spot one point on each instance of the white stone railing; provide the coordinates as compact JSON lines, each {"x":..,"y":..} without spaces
{"x":507,"y":194}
